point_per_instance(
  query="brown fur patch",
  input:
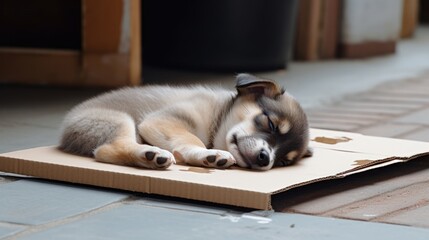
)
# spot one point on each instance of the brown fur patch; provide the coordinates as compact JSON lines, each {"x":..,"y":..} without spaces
{"x":117,"y":152}
{"x":284,"y":126}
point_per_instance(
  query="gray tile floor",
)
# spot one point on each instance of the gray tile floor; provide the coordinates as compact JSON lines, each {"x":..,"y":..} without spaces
{"x":31,"y":116}
{"x":34,"y":209}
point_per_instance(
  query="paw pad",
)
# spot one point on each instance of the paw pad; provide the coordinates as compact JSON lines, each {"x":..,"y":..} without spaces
{"x":155,"y":158}
{"x":149,"y":156}
{"x":218,"y":159}
{"x":211,"y":159}
{"x":161,"y":160}
{"x":221,"y":162}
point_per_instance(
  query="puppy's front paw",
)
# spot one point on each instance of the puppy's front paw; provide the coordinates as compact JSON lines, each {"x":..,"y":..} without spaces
{"x":156,"y":158}
{"x":202,"y":157}
{"x":218,"y":159}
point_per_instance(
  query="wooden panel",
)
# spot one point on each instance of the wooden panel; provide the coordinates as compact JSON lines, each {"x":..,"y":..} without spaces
{"x":136,"y":43}
{"x":308,"y":31}
{"x":318,"y":27}
{"x":110,"y":70}
{"x":58,"y":67}
{"x":111,"y":44}
{"x":102,"y":25}
{"x":410,"y":13}
{"x":35,"y":66}
{"x":330,"y":27}
{"x":368,"y":49}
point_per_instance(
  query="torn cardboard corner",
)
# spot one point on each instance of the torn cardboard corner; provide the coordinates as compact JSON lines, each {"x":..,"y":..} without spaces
{"x":336,"y":154}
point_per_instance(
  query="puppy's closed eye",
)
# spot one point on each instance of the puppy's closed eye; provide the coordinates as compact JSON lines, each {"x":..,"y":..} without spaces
{"x":276,"y":125}
{"x":264,"y":123}
{"x":271,"y":123}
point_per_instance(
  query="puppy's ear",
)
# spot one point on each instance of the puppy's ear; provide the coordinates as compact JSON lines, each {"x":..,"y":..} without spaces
{"x":249,"y":84}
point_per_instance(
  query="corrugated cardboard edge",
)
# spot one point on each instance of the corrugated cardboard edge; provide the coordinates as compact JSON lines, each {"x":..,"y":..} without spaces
{"x":371,"y":165}
{"x":136,"y":183}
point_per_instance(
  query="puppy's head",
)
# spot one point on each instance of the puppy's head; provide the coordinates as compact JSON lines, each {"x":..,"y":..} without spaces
{"x":269,"y":127}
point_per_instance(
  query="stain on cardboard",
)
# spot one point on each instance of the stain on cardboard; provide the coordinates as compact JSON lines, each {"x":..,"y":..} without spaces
{"x":197,"y":170}
{"x":332,"y":141}
{"x":361,"y":162}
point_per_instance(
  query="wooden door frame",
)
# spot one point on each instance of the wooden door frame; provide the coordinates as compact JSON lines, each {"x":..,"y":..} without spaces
{"x":110,"y":55}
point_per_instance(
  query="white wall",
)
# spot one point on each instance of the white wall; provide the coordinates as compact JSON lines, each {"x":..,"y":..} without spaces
{"x":371,"y":20}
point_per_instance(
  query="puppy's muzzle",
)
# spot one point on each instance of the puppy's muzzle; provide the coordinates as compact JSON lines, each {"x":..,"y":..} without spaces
{"x":252,"y":153}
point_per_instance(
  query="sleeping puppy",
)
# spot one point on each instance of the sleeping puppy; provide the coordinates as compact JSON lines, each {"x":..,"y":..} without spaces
{"x":258,"y":127}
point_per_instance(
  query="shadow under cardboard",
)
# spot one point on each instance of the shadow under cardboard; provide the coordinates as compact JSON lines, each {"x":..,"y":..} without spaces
{"x":285,"y":201}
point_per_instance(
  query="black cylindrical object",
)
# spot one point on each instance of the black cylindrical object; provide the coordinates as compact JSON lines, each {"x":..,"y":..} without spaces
{"x":224,"y":35}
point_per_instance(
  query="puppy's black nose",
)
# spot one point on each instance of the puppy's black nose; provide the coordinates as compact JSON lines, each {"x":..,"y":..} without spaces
{"x":263,"y":158}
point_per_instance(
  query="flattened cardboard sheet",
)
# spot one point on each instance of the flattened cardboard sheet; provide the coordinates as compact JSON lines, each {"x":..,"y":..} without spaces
{"x":336,"y":154}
